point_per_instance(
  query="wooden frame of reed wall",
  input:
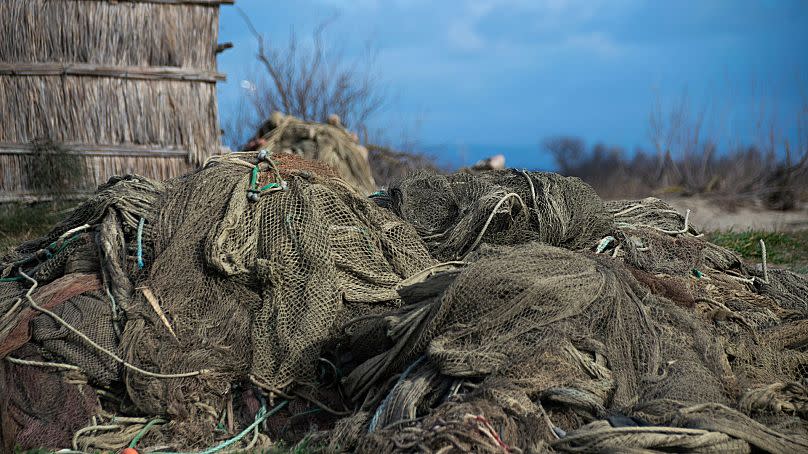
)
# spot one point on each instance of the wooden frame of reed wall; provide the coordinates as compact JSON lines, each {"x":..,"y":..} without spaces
{"x":127,"y":85}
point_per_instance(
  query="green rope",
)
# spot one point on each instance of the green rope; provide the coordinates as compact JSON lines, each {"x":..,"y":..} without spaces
{"x":260,"y":417}
{"x":604,"y":243}
{"x":143,"y":431}
{"x":63,"y":246}
{"x":10,"y":279}
{"x":49,"y":251}
{"x":254,"y":178}
{"x":253,"y":192}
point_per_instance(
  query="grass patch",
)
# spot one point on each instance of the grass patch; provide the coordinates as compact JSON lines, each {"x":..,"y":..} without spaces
{"x":784,"y":249}
{"x":23,"y":221}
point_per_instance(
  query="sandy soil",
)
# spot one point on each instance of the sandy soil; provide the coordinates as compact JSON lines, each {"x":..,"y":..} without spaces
{"x":707,"y":215}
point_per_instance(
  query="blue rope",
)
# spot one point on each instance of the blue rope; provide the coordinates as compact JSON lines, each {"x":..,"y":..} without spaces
{"x":260,"y":417}
{"x":603,"y":244}
{"x":140,"y":263}
{"x":375,"y":420}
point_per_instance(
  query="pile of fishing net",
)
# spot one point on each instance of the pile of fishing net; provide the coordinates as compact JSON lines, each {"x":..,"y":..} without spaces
{"x":329,"y":143}
{"x":262,"y":301}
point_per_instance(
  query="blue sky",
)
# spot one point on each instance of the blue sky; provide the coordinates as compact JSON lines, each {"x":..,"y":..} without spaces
{"x":473,"y":78}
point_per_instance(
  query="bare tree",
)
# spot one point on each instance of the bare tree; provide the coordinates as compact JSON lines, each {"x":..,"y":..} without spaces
{"x":240,"y":124}
{"x":686,"y":158}
{"x":314,"y":82}
{"x":667,"y":130}
{"x":566,"y":151}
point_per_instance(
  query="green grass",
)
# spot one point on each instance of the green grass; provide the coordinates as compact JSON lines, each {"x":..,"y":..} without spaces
{"x":23,"y":221}
{"x":785,"y":249}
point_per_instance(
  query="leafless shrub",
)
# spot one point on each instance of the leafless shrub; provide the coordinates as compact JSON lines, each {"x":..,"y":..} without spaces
{"x":240,"y":125}
{"x":603,"y":167}
{"x":314,"y":83}
{"x":738,"y":176}
{"x":53,"y":171}
{"x":686,"y":161}
{"x":311,"y":83}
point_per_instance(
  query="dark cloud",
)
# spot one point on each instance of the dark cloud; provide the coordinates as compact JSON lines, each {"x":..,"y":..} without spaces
{"x":514,"y":71}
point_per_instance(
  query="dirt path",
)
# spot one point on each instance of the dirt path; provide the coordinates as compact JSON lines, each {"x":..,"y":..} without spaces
{"x":710,"y":216}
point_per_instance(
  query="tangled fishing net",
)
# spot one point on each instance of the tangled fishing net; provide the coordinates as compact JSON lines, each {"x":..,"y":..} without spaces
{"x":262,"y":300}
{"x":329,"y":143}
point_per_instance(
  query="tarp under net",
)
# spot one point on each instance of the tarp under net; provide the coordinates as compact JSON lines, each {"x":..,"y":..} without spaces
{"x":262,"y":301}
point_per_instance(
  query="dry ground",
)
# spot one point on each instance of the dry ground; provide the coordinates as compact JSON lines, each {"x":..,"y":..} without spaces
{"x":711,"y":216}
{"x":741,"y":229}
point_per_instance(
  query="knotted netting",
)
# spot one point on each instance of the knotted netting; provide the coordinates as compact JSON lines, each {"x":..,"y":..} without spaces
{"x":263,"y":299}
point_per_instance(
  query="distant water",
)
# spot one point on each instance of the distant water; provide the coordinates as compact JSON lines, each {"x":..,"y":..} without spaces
{"x":529,"y":157}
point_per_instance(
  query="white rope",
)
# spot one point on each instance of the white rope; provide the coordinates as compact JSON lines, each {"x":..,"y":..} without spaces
{"x":742,"y":279}
{"x":93,"y":343}
{"x":490,"y":218}
{"x":532,"y":193}
{"x":640,"y":205}
{"x":75,"y":441}
{"x":765,"y":266}
{"x":629,"y":210}
{"x":629,"y":225}
{"x":26,"y":362}
{"x":72,"y":231}
{"x":677,"y":232}
{"x":11,"y":311}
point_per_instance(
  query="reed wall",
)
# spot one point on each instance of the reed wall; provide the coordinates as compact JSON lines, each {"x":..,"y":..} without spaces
{"x":128,"y":85}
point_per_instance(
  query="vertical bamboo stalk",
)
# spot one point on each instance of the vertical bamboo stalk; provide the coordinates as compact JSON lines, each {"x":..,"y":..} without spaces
{"x":108,"y":110}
